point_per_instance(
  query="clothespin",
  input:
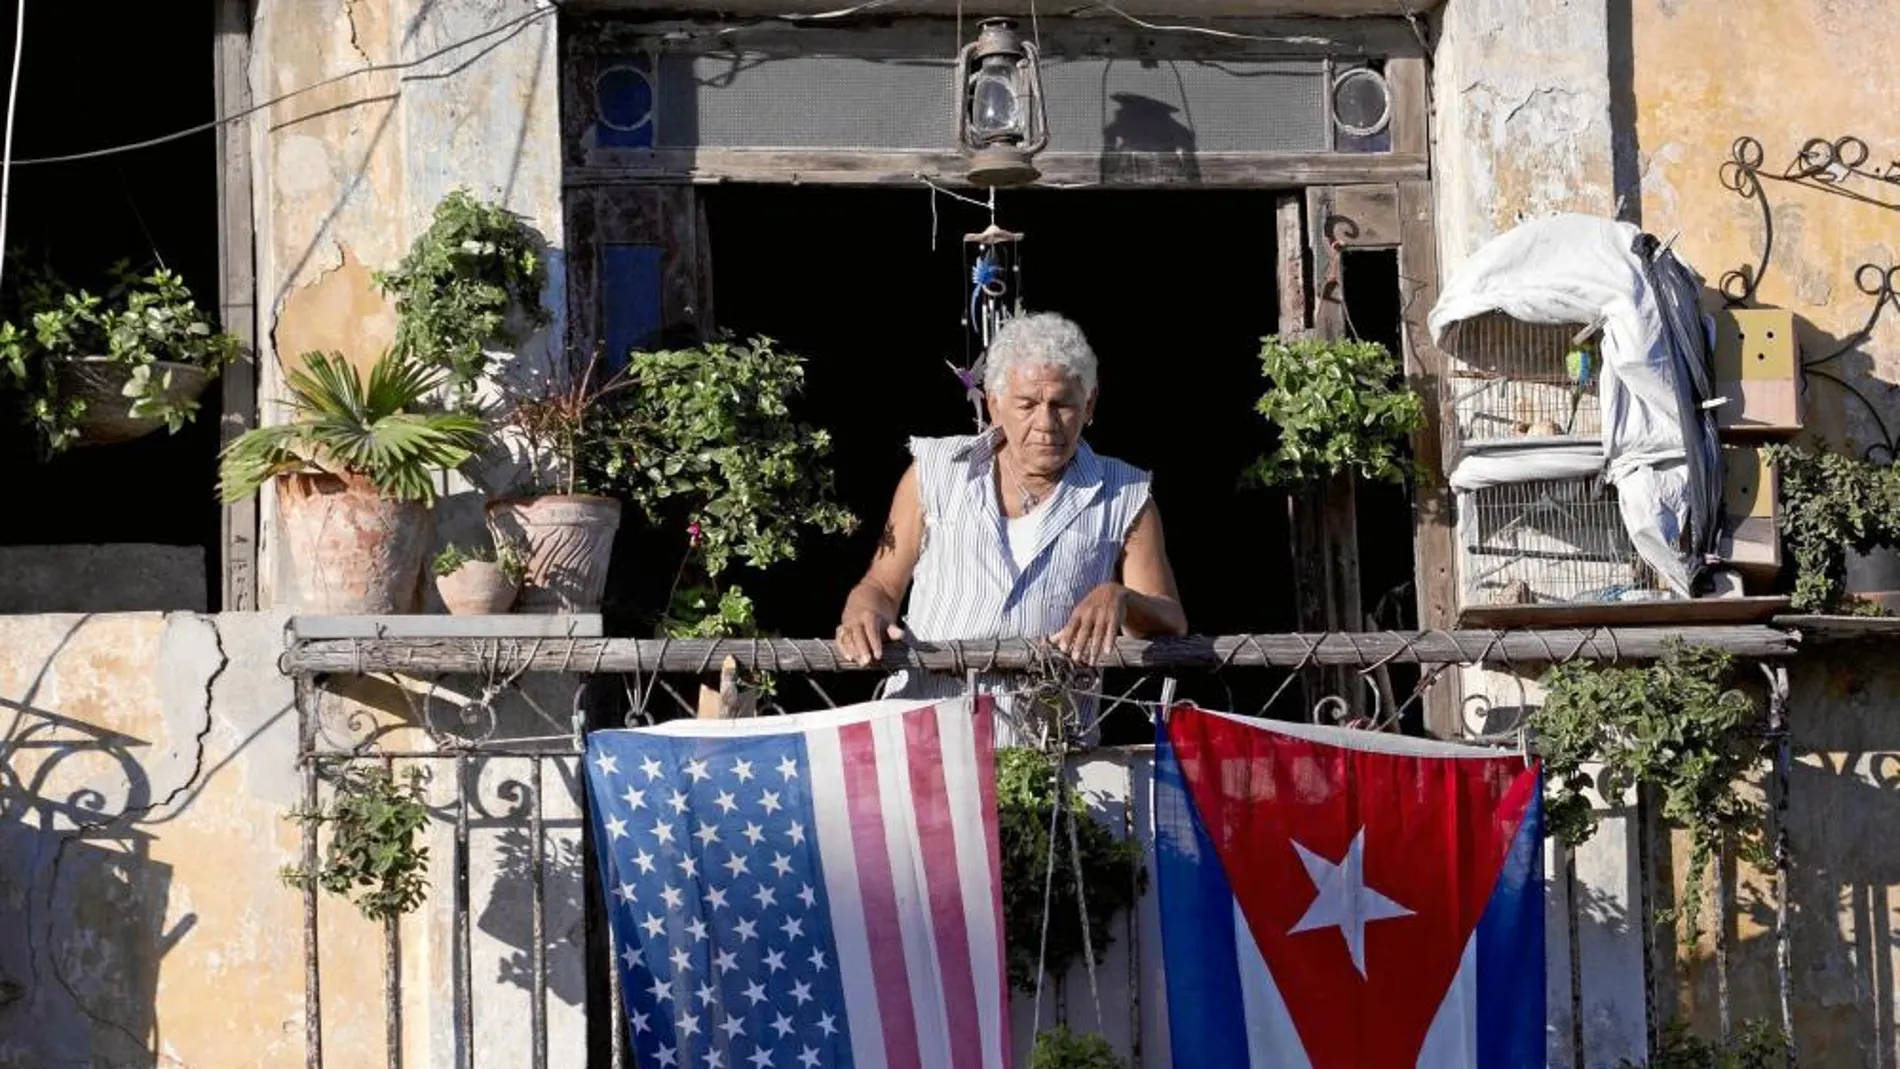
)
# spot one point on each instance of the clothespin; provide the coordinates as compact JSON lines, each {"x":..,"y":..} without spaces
{"x":1524,"y":745}
{"x":1584,"y":335}
{"x":1167,"y":697}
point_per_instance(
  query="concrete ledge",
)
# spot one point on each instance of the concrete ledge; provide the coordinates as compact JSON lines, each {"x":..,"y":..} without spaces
{"x":123,"y":577}
{"x":511,"y":625}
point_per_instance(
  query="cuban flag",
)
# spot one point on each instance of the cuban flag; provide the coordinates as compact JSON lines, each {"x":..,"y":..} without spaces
{"x":801,"y":891}
{"x":1334,"y":898}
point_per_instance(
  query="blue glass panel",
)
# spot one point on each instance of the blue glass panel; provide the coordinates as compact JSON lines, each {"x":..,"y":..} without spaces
{"x":630,"y":300}
{"x":623,"y":100}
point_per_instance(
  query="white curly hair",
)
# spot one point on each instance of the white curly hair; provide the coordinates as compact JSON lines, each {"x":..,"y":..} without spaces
{"x":1041,"y":339}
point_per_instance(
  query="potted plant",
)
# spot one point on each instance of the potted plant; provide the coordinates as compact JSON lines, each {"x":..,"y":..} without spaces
{"x":1342,"y":408}
{"x":100,"y":370}
{"x":563,"y":521}
{"x":480,"y":581}
{"x":472,"y":280}
{"x":1834,"y":505}
{"x":703,"y":443}
{"x":354,"y":471}
{"x":1059,"y":1048}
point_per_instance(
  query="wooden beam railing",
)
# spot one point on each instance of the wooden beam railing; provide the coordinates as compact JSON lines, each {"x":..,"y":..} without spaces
{"x":431,"y":656}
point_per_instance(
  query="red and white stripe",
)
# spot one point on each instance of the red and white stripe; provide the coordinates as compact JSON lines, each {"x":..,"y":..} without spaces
{"x":905,"y":814}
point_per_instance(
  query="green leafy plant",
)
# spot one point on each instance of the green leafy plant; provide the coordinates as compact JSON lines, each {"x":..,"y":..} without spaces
{"x":61,"y":334}
{"x":472,"y":280}
{"x":513,"y":567}
{"x":1059,"y":1048}
{"x":557,"y":424}
{"x":1677,"y":725}
{"x":1756,"y":1045}
{"x":1832,"y":503}
{"x":1342,"y":407}
{"x":372,"y":856}
{"x":702,"y":441}
{"x":701,"y":612}
{"x":381,"y":429}
{"x":707,"y":434}
{"x":1026,"y":794}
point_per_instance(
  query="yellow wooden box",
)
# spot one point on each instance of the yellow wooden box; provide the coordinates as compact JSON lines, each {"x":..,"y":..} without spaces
{"x":1758,"y":370}
{"x":1750,"y":542}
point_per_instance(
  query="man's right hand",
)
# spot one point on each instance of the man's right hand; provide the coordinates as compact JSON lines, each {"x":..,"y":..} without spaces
{"x":862,"y":635}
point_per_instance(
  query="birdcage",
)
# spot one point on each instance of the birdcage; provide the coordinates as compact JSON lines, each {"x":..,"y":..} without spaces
{"x":1549,"y":542}
{"x":1512,"y":382}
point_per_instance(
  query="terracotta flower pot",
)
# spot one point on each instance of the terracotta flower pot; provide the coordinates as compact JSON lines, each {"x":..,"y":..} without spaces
{"x":477,"y":588}
{"x":569,"y":542}
{"x":101,"y":384}
{"x":351,"y":550}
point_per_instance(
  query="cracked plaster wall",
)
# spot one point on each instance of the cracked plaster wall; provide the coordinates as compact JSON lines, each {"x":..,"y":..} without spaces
{"x":147,"y":764}
{"x":1521,"y":117}
{"x":411,"y":99}
{"x":1708,"y":72}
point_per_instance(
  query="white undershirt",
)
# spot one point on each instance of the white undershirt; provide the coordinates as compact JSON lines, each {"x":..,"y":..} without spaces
{"x":1022,"y":531}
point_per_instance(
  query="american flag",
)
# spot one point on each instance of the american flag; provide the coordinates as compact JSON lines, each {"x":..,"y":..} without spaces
{"x":804,"y":891}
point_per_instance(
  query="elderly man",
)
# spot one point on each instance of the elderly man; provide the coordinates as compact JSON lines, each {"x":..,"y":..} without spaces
{"x":1022,"y":532}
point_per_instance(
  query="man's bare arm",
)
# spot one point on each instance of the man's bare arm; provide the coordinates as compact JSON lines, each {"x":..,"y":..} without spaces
{"x":1143,"y":604}
{"x":870,"y":610}
{"x":1154,"y":604}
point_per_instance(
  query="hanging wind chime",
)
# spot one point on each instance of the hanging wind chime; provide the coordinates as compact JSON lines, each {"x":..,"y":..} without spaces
{"x":994,"y":265}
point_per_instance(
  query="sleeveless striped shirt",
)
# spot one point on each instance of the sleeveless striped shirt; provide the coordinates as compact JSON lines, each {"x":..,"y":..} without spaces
{"x":968,"y":586}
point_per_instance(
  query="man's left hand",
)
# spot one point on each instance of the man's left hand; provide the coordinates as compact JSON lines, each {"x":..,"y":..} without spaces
{"x":1090,"y":634}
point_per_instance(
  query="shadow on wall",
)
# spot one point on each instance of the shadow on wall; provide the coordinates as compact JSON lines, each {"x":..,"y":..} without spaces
{"x":1144,"y":139}
{"x":79,"y":964}
{"x":1844,"y":809}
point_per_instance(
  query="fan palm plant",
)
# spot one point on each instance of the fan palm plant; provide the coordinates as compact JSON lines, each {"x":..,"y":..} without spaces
{"x":379,"y":429}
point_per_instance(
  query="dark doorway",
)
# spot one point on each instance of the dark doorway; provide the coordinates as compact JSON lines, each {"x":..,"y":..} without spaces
{"x":1174,"y":290}
{"x":87,"y":83}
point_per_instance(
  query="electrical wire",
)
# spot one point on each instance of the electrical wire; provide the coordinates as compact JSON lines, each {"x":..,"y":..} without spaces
{"x":1209,"y":31}
{"x":792,"y":18}
{"x":374,"y":68}
{"x":6,"y":152}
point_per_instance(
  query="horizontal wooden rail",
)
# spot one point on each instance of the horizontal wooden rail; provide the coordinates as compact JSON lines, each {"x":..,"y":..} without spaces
{"x":431,"y":656}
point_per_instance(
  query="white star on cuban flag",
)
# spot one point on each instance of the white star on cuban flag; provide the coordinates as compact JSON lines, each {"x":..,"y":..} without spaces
{"x":1335,"y":899}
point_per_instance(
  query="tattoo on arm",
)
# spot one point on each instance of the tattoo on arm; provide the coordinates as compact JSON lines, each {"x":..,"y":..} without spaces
{"x":887,"y":542}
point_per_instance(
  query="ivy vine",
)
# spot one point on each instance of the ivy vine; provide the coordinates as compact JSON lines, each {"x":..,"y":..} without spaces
{"x":1342,"y":407}
{"x":471,"y":281}
{"x":1678,"y":725}
{"x":1832,"y":503}
{"x":372,"y":857}
{"x":1026,"y":795}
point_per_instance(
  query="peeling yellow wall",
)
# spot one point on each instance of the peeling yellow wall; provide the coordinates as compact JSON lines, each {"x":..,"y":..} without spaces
{"x":1708,"y":72}
{"x":381,"y":108}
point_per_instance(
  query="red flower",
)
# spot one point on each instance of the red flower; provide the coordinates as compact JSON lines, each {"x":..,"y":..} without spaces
{"x":692,"y":533}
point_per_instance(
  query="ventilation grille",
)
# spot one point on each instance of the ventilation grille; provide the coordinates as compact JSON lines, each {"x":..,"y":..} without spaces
{"x":1096,"y":104}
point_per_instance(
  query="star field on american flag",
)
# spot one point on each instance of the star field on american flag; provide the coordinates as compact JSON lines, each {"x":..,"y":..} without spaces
{"x":717,"y":902}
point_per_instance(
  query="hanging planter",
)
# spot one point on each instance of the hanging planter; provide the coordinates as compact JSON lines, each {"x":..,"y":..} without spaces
{"x":354,"y":472}
{"x":102,"y":370}
{"x":105,"y":414}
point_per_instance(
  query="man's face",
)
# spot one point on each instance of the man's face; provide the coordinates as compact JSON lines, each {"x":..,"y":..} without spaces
{"x":1041,"y":412}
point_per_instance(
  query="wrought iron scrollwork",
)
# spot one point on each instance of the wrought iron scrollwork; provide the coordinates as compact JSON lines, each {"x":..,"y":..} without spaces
{"x":1836,"y":168}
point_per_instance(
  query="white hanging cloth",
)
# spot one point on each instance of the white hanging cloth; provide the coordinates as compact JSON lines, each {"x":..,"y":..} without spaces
{"x":1656,"y":449}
